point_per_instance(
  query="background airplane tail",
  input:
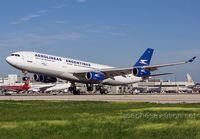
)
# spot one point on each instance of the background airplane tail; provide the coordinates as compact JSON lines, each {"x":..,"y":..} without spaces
{"x":145,"y":59}
{"x":190,"y":81}
{"x":27,"y":82}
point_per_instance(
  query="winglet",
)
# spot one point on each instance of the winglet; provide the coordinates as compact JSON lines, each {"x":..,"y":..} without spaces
{"x":191,"y":60}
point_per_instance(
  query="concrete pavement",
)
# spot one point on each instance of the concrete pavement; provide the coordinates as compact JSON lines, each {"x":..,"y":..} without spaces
{"x":175,"y":98}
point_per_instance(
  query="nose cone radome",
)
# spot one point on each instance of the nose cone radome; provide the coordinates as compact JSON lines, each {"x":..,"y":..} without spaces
{"x":10,"y":60}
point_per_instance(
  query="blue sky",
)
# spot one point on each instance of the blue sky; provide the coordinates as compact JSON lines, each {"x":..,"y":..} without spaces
{"x":111,"y":32}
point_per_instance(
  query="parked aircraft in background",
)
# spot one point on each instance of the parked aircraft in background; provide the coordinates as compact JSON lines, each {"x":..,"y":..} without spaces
{"x":40,"y":87}
{"x":194,"y":86}
{"x":58,"y":87}
{"x":157,"y":89}
{"x":17,"y":89}
{"x":52,"y":87}
{"x":85,"y":72}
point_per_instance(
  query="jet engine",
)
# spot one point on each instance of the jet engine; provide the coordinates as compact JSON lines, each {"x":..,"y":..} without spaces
{"x":94,"y":76}
{"x":140,"y":72}
{"x":44,"y":78}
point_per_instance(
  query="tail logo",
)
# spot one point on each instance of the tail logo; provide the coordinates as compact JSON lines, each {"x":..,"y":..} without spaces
{"x":142,"y":61}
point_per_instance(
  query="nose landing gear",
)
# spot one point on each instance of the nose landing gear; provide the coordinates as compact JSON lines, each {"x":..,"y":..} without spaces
{"x":25,"y":78}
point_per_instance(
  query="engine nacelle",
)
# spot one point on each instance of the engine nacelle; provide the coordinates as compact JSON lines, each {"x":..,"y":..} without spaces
{"x":36,"y":77}
{"x":44,"y":78}
{"x":93,"y":76}
{"x":140,"y":72}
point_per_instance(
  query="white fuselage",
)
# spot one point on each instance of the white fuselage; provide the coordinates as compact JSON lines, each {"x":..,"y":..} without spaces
{"x":63,"y":68}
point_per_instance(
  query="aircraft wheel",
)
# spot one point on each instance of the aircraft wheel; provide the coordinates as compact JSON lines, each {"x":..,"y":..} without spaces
{"x":90,"y":88}
{"x":106,"y":91}
{"x":103,"y":91}
{"x":98,"y":87}
{"x":72,"y":88}
{"x":76,"y":92}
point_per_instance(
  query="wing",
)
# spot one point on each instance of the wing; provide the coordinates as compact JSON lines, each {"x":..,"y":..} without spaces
{"x":155,"y":67}
{"x":46,"y":87}
{"x":111,"y":72}
{"x":108,"y":72}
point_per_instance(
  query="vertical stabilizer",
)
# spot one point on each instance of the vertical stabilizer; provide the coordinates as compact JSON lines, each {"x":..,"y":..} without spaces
{"x":27,"y":82}
{"x":145,"y":59}
{"x":190,"y":81}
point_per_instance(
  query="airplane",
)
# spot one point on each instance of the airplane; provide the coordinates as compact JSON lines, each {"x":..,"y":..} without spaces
{"x":58,"y":87}
{"x":17,"y":89}
{"x":40,"y":87}
{"x":53,"y":67}
{"x":157,"y":89}
{"x":46,"y":88}
{"x":194,"y":86}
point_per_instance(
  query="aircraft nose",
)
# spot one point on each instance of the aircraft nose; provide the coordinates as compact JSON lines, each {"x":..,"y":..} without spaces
{"x":9,"y":60}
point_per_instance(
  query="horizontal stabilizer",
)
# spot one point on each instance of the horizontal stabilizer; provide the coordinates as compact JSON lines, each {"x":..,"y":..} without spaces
{"x":161,"y":74}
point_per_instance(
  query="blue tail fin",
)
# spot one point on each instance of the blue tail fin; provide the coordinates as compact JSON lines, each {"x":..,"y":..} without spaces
{"x":145,"y":59}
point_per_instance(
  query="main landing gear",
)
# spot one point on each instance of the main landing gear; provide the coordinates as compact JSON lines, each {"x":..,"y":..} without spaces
{"x":90,"y":87}
{"x":98,"y":88}
{"x":101,"y":89}
{"x":74,"y":90}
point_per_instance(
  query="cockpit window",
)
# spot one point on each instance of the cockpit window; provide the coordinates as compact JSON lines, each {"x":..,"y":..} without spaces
{"x":15,"y":55}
